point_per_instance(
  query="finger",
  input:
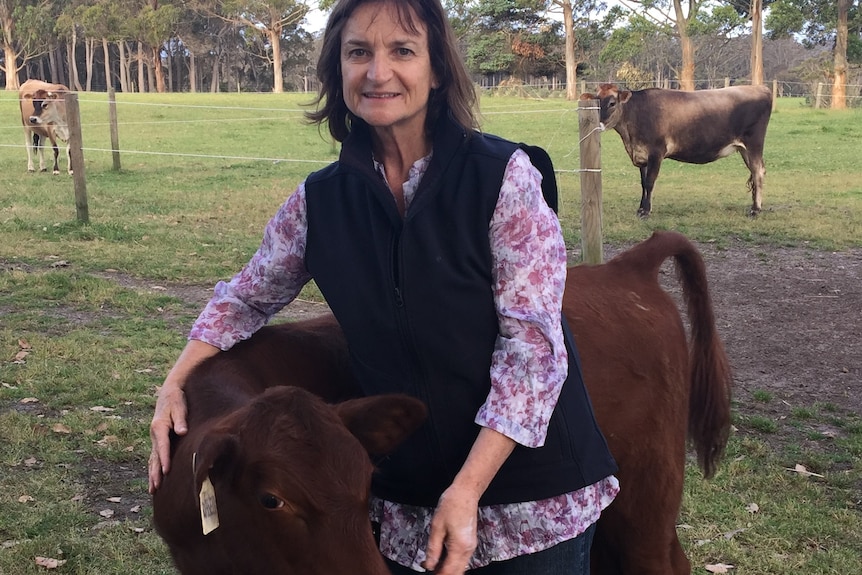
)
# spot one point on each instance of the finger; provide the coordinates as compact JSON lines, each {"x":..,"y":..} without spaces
{"x":434,"y":548}
{"x":179,"y":414}
{"x":155,"y":472}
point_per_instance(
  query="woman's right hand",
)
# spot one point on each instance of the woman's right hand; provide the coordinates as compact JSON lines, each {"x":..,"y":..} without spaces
{"x":170,"y":415}
{"x":171,"y":409}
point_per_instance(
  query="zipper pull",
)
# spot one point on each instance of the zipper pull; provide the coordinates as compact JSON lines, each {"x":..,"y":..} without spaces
{"x":399,"y":301}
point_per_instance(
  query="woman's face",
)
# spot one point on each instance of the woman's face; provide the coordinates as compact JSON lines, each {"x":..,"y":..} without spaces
{"x":386,"y":70}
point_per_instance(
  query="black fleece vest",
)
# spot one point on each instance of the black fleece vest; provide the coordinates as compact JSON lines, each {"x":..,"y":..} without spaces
{"x":414,"y":298}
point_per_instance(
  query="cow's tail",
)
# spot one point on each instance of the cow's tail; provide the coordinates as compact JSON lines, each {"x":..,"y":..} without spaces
{"x":710,"y":376}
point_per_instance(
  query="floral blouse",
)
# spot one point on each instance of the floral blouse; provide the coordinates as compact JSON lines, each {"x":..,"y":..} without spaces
{"x":528,"y":367}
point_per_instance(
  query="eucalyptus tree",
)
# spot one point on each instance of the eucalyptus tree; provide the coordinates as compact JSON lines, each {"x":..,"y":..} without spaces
{"x":823,"y":22}
{"x":270,"y":19}
{"x":577,"y":15}
{"x":682,"y":14}
{"x":23,"y":24}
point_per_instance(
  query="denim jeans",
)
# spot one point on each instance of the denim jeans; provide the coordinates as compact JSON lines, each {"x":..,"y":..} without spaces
{"x":570,"y":557}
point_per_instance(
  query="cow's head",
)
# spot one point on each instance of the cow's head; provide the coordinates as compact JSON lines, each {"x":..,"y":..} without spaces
{"x":49,"y":109}
{"x":292,"y":476}
{"x":610,"y":99}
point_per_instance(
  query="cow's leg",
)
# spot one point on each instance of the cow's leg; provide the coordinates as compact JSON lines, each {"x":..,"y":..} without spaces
{"x":649,"y":173}
{"x":56,"y":156}
{"x":30,"y":140}
{"x":753,"y":159}
{"x":39,"y":143}
{"x":69,"y":159}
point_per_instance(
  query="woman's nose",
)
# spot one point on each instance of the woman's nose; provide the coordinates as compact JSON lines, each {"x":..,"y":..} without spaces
{"x":380,"y":69}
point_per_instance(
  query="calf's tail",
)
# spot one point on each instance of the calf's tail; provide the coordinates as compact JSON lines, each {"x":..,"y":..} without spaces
{"x":710,"y":375}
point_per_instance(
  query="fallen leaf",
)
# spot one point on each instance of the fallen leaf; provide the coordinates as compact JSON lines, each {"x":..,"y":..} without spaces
{"x":29,"y":400}
{"x":10,"y":543}
{"x":102,"y":427}
{"x":101,"y":408}
{"x":7,"y":386}
{"x":731,"y":534}
{"x":719,"y":568}
{"x":135,"y":509}
{"x":30,"y":462}
{"x":61,"y":428}
{"x":20,"y":356}
{"x":802,"y":470}
{"x":752,"y":508}
{"x":49,"y":563}
{"x":106,"y":513}
{"x":137,"y":529}
{"x":60,"y":264}
{"x":144,"y":370}
{"x":115,"y":499}
{"x":24,"y":344}
{"x":25,"y":499}
{"x":109,"y":440}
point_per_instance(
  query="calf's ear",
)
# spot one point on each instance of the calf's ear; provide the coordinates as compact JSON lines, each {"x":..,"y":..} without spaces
{"x":587,"y":96}
{"x":382,"y":422}
{"x":215,"y":455}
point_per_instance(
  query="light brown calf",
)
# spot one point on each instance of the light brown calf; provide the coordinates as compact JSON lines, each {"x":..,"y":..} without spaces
{"x":43,"y":114}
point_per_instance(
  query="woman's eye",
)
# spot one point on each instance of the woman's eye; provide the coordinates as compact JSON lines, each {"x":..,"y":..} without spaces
{"x":270,"y":501}
{"x":357,"y":53}
{"x":404,"y":51}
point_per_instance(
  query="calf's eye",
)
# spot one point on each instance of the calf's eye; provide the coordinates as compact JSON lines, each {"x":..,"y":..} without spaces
{"x":270,"y":501}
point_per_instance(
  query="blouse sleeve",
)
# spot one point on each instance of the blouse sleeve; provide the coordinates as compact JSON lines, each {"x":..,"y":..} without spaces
{"x":269,"y":281}
{"x":529,"y":363}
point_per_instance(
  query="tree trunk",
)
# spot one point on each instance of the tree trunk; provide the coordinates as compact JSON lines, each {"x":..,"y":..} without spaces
{"x":571,"y":63}
{"x":89,"y":55}
{"x":124,"y":79}
{"x":214,"y":81}
{"x":54,"y":65}
{"x":757,"y":42}
{"x":142,"y":86}
{"x":193,"y":73}
{"x":71,"y":53}
{"x":10,"y":67}
{"x":686,"y":76}
{"x":109,"y":80}
{"x":157,"y":69}
{"x":839,"y":84}
{"x":277,"y":75}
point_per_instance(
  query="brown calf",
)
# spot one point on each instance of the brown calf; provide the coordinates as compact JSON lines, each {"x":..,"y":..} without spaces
{"x":43,"y":114}
{"x":651,"y":388}
{"x":692,"y":127}
{"x":291,"y":474}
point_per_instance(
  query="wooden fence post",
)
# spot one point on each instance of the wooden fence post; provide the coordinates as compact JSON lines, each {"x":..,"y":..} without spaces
{"x":819,"y":97}
{"x":774,"y":92}
{"x":591,"y":181}
{"x":115,"y":134}
{"x":76,"y":156}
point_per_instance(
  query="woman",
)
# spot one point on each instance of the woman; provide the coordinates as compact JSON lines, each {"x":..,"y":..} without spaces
{"x":445,"y":267}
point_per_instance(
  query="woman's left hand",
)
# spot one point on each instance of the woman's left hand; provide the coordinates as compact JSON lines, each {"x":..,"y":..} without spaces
{"x":453,"y":529}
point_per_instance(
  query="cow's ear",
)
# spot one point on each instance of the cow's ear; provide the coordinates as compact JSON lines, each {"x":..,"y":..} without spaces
{"x":623,"y":96}
{"x":382,"y":422}
{"x":215,"y":455}
{"x":587,"y":96}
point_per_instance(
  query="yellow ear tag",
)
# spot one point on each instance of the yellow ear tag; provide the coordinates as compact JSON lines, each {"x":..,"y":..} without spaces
{"x":207,"y":498}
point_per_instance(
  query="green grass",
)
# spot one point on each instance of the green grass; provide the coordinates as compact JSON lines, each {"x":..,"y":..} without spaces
{"x":88,"y":342}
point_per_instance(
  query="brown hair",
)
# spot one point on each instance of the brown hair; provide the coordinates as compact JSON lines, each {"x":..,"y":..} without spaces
{"x":455,"y":93}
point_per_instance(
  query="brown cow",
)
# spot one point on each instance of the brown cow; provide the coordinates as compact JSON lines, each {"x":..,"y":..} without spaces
{"x":650,"y":388}
{"x":692,"y":127}
{"x":43,"y":114}
{"x":291,"y":473}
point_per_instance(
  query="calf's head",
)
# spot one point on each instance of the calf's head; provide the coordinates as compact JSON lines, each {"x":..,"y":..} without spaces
{"x":610,"y":100}
{"x":291,"y":476}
